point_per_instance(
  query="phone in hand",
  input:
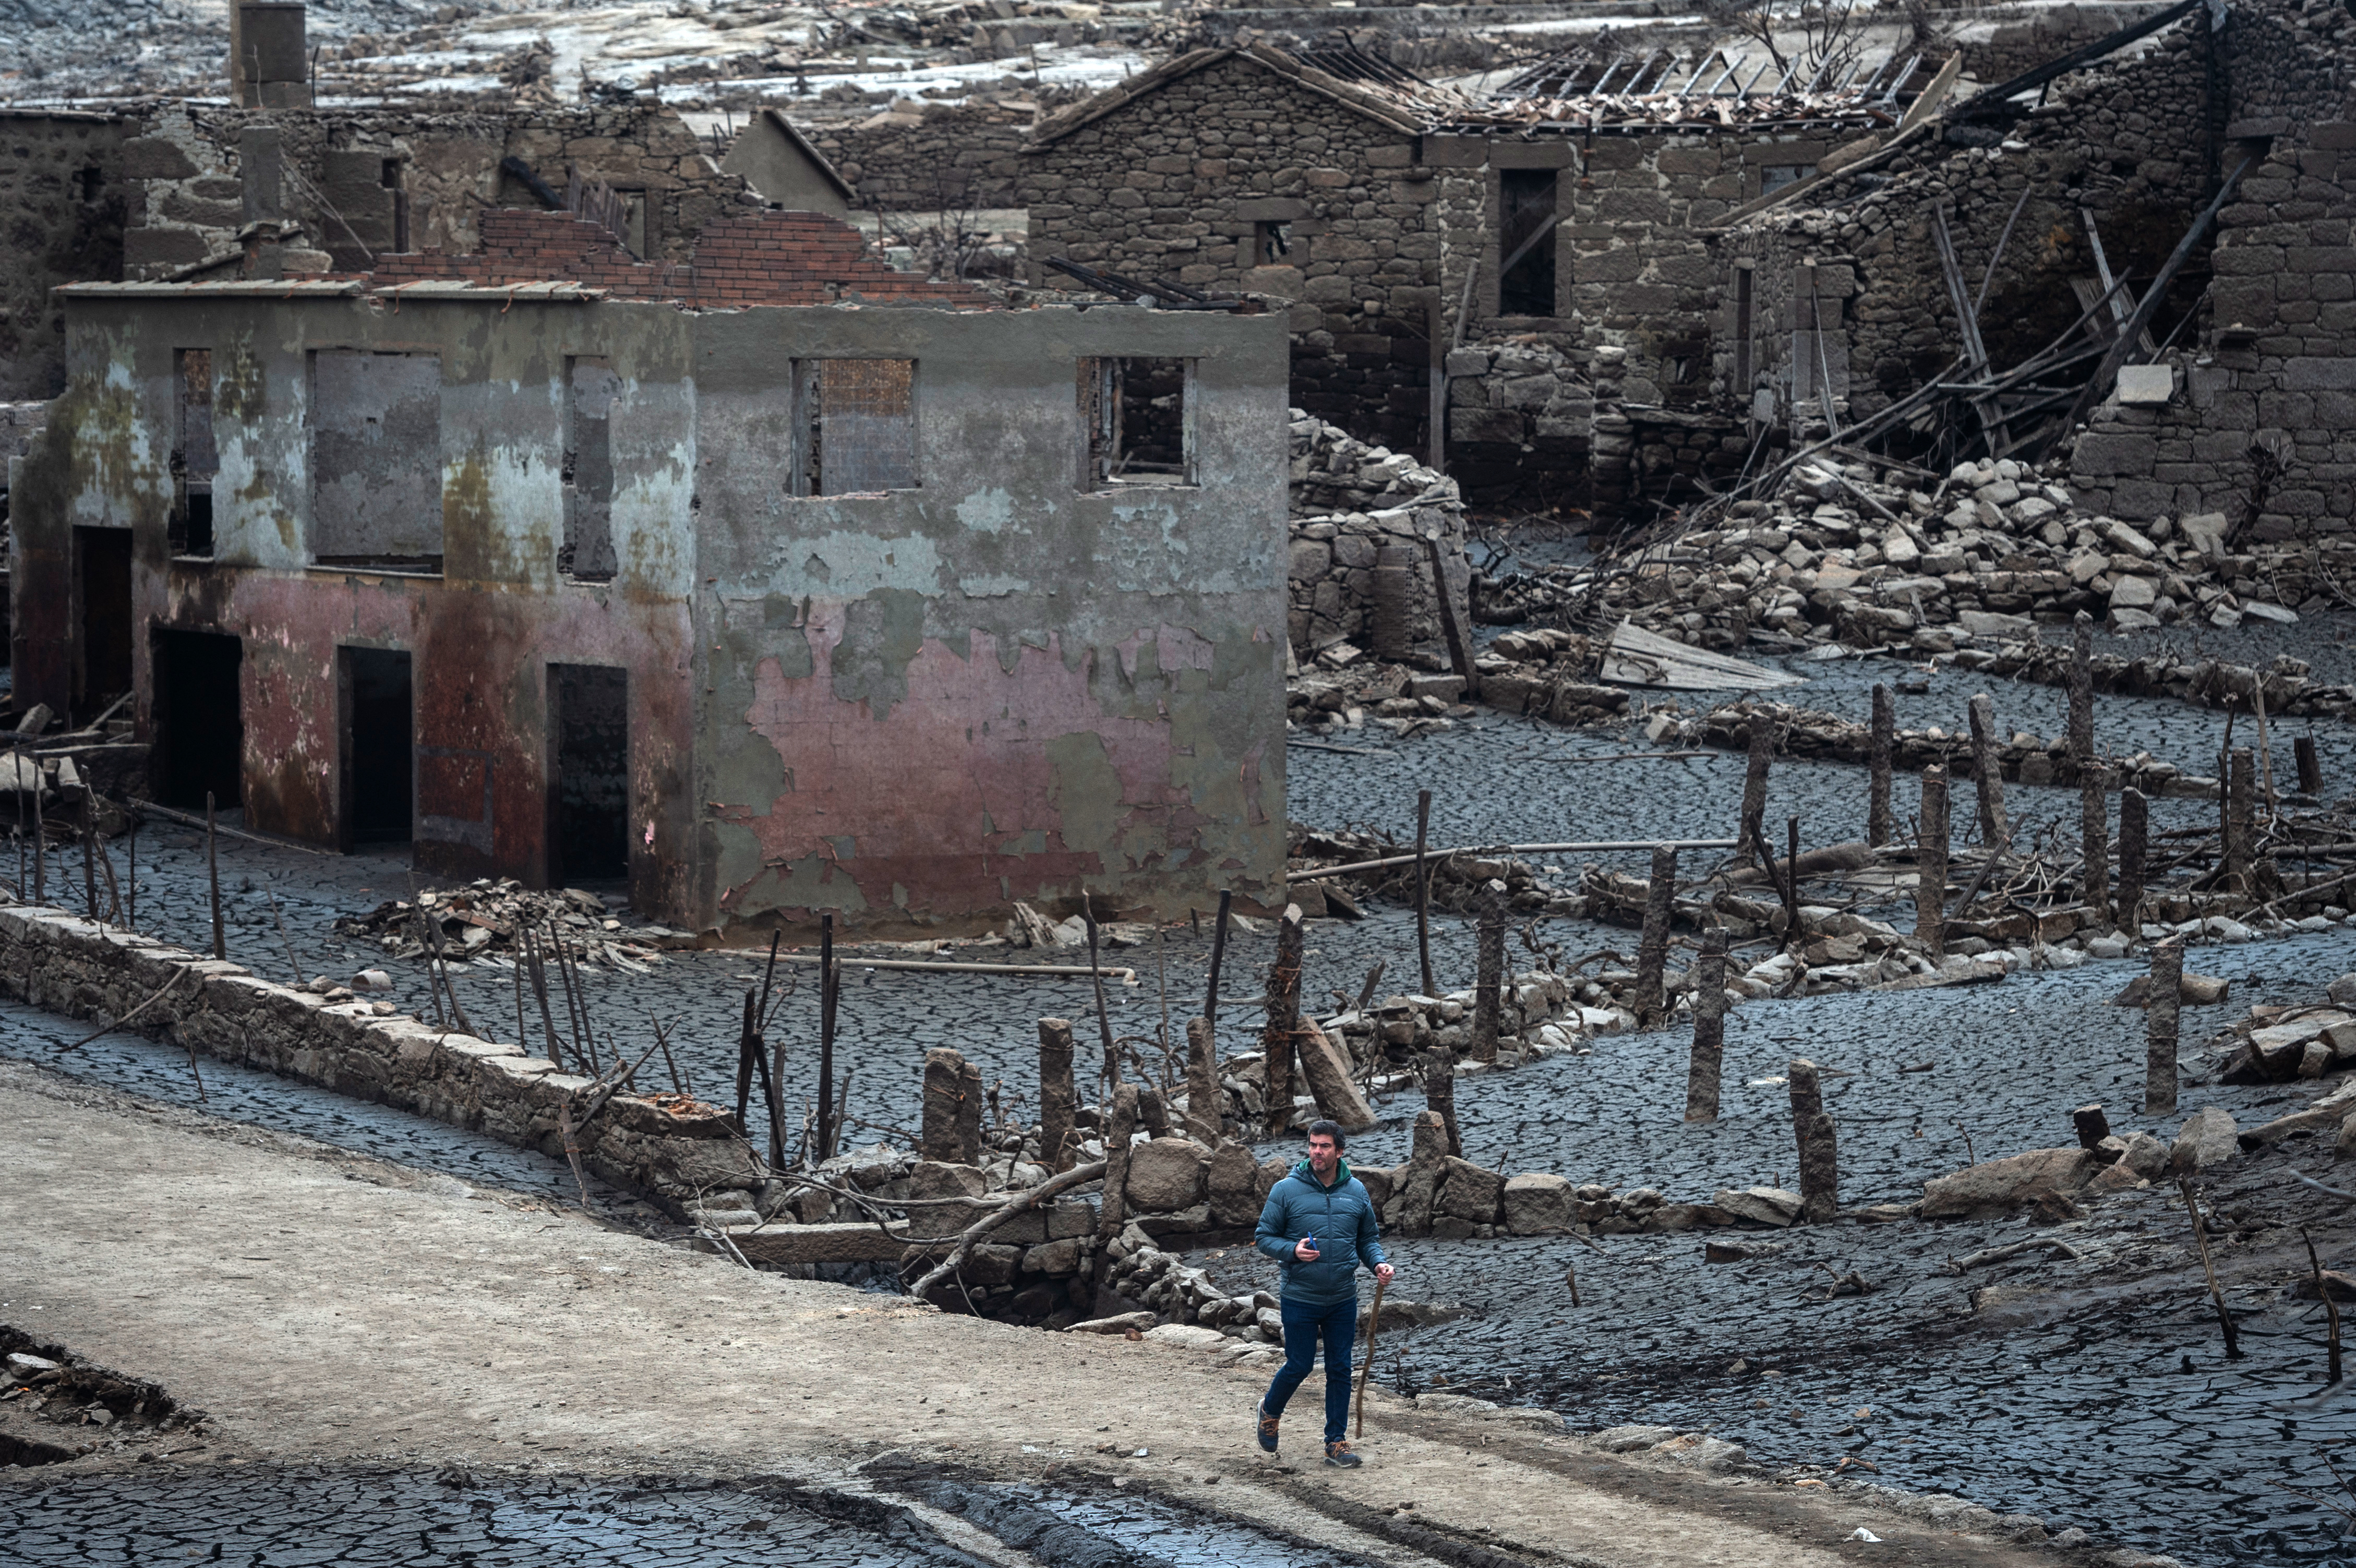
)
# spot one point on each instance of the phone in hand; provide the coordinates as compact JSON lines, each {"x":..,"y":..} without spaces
{"x":1309,"y":1240}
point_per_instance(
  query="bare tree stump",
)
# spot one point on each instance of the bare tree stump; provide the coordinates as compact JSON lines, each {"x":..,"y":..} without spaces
{"x":1988,"y":774}
{"x":1153,"y":1110}
{"x":1760,"y":732}
{"x":2160,"y":1007}
{"x":2092,"y":1126}
{"x":1489,"y":974}
{"x":1819,"y":1153}
{"x":1709,"y":1029}
{"x":1056,"y":1094}
{"x":2134,"y":830}
{"x":1931,"y":862}
{"x":1878,"y":825}
{"x":1283,"y":1018}
{"x":1204,"y":1099}
{"x":944,"y":1071}
{"x":1440,"y":1094}
{"x":1652,"y":944}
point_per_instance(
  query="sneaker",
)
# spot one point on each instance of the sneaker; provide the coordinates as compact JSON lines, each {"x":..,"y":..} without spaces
{"x":1267,"y":1424}
{"x":1338,"y":1453}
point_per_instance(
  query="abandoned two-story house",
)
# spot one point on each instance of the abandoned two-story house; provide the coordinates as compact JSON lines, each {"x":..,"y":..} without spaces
{"x":777,"y":582}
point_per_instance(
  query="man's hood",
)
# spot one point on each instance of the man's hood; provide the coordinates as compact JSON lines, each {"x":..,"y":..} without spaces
{"x":1308,"y":1173}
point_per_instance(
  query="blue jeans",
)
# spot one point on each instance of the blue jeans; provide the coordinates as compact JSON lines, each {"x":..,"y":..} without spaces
{"x":1304,"y":1323}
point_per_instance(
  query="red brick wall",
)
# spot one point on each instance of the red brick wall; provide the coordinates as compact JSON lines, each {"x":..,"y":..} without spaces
{"x":776,"y":257}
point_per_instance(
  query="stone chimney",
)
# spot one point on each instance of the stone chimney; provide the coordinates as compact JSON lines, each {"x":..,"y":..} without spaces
{"x":269,"y":58}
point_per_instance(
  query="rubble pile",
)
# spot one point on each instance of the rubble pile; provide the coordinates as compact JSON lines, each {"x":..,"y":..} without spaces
{"x":487,"y":918}
{"x":2275,"y":1044}
{"x":1992,"y":550}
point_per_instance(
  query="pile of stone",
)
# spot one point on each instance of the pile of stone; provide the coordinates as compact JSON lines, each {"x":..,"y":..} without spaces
{"x":1351,"y":692}
{"x":1350,"y":503}
{"x":2277,"y":1044}
{"x":1994,"y":549}
{"x":92,"y":1406}
{"x":487,"y":918}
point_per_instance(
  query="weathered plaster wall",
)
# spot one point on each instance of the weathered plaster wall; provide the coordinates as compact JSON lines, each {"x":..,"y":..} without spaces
{"x":925,"y":703}
{"x":62,"y":207}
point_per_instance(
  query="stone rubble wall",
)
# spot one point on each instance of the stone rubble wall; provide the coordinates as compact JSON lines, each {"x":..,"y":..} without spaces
{"x":927,"y":157}
{"x":72,"y":966}
{"x":1349,"y":500}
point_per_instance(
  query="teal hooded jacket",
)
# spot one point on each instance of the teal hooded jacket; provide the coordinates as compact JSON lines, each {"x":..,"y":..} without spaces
{"x":1342,"y":1218}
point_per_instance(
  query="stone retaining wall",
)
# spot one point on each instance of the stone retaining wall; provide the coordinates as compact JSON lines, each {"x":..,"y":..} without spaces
{"x":74,"y":966}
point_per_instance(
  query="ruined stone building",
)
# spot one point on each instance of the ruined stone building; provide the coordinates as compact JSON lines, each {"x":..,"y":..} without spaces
{"x":772,"y":579}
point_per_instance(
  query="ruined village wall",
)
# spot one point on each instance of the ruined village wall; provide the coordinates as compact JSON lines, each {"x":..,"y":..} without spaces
{"x":931,"y":158}
{"x":990,"y":683}
{"x":189,"y":202}
{"x":1170,"y":186}
{"x":2262,"y":423}
{"x":62,"y":207}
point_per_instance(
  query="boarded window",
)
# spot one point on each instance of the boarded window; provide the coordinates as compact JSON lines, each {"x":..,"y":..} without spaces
{"x":376,"y":460}
{"x":1139,"y":415}
{"x":859,"y":426}
{"x":587,"y":552}
{"x":1525,"y":249}
{"x":195,"y":460}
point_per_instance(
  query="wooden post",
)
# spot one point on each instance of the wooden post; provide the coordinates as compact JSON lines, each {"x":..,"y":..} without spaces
{"x":1791,"y":932}
{"x":537,"y":969}
{"x":1056,"y":1094}
{"x":2093,"y":800}
{"x":1709,"y":1029}
{"x":2135,"y":826}
{"x":131,"y":850}
{"x":2160,"y":1006}
{"x":2216,"y":1294}
{"x":1819,"y":1157}
{"x":830,"y":983}
{"x":1877,"y":822}
{"x":1423,"y":891}
{"x":1988,"y":774}
{"x":1112,"y":1212}
{"x":943,"y":1089}
{"x":1440,"y":1094}
{"x":757,"y":1050}
{"x":2241,"y":791}
{"x":2311,"y":768}
{"x":1218,"y":954}
{"x":1460,"y":653}
{"x":212,"y":871}
{"x":1652,"y":944}
{"x":1489,"y":973}
{"x":1762,"y":737}
{"x":968,"y":1114}
{"x":2322,"y":1291}
{"x":1283,"y":1018}
{"x":1930,"y":863}
{"x":1204,"y":1097}
{"x":1104,"y":1009}
{"x":90,"y":858}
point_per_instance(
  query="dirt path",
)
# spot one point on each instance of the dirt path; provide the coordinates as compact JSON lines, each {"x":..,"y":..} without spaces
{"x":326,"y":1306}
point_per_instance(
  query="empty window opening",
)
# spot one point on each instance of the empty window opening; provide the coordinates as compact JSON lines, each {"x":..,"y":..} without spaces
{"x":396,"y":181}
{"x":1526,"y":251}
{"x":638,"y":228}
{"x":1271,"y":244}
{"x":1773,"y":178}
{"x":200,"y":718}
{"x":102,"y":588}
{"x":376,"y":461}
{"x":859,"y":426}
{"x":589,"y":781}
{"x":92,"y":183}
{"x":194,"y":459}
{"x":587,"y":552}
{"x":378,"y":752}
{"x":1140,"y":417}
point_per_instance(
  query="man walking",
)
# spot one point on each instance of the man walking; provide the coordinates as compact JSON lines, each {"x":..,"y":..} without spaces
{"x":1320,"y":1225}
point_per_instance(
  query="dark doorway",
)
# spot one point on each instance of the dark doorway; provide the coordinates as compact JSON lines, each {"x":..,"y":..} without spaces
{"x":199,"y":721}
{"x":589,"y":784}
{"x":376,"y":746}
{"x":103,"y":582}
{"x":1526,"y":248}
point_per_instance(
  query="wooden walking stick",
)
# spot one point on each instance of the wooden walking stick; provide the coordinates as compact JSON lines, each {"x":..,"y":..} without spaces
{"x":1374,"y":1323}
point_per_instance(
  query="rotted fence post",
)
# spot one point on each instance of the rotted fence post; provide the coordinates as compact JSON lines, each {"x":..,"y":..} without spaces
{"x":1703,"y":1069}
{"x":2135,"y":827}
{"x":2160,"y":1007}
{"x":2093,"y":800}
{"x":1819,"y":1153}
{"x":1652,"y":944}
{"x":1988,"y":774}
{"x":1761,"y":738}
{"x":1276,"y":1047}
{"x":1489,"y":973}
{"x":1931,"y":861}
{"x":1056,"y":1093}
{"x":1877,"y":822}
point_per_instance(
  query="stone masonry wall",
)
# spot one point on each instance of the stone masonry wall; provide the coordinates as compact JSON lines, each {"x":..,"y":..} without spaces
{"x":926,"y":158}
{"x":68,"y":964}
{"x":1171,"y":185}
{"x":62,"y":209}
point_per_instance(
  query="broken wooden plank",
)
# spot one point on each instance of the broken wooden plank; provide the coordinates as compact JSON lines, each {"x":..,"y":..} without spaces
{"x":1636,"y":657}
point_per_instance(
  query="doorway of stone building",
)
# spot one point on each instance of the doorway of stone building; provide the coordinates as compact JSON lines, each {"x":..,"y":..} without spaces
{"x":199,"y":721}
{"x":378,"y":748}
{"x":102,"y":592}
{"x":589,"y":774}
